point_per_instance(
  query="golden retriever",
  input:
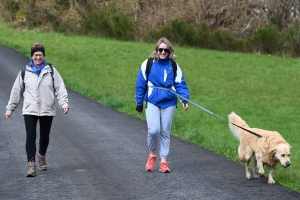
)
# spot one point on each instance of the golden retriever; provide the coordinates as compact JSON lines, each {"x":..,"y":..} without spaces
{"x":268,"y":150}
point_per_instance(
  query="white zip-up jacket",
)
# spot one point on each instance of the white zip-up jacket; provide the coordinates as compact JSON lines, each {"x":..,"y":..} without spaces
{"x":38,"y":96}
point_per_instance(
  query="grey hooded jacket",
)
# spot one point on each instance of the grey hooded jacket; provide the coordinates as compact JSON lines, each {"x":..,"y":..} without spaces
{"x":38,"y":96}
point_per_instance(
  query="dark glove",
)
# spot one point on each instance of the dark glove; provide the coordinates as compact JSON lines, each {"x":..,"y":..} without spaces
{"x":185,"y":102}
{"x":139,"y":109}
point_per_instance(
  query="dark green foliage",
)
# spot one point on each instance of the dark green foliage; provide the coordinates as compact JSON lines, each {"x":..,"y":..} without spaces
{"x":267,"y":40}
{"x":14,"y":6}
{"x":203,"y":36}
{"x":178,"y":31}
{"x":98,"y":24}
{"x":8,"y":9}
{"x":223,"y":40}
{"x":11,"y":5}
{"x":63,"y":3}
{"x":122,"y":26}
{"x":292,"y":40}
{"x":183,"y":33}
{"x":111,"y":24}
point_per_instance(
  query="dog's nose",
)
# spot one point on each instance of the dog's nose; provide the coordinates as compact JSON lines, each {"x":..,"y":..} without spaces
{"x":288,"y":164}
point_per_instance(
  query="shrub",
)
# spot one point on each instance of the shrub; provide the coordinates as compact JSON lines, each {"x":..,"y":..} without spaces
{"x":180,"y":32}
{"x":183,"y":33}
{"x":223,"y":40}
{"x":203,"y":36}
{"x":291,"y":38}
{"x":266,"y":39}
{"x":111,"y":24}
{"x":8,"y":9}
{"x":121,"y":24}
{"x":98,"y":24}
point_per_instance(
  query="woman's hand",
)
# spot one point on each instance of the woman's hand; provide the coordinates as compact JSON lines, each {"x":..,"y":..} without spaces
{"x":185,"y":105}
{"x":66,"y":110}
{"x":139,"y":109}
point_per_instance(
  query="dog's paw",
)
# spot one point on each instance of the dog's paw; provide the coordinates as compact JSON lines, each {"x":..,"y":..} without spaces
{"x":271,"y":181}
{"x":248,"y":175}
{"x":261,"y":173}
{"x":256,"y":176}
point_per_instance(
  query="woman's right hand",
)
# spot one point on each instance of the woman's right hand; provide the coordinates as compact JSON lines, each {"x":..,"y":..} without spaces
{"x":139,"y":109}
{"x":8,"y":117}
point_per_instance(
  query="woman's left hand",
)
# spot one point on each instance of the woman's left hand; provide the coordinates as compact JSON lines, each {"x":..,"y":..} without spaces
{"x":185,"y":106}
{"x":66,"y":110}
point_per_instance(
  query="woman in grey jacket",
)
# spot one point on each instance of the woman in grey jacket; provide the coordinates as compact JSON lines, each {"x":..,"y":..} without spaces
{"x":38,"y":86}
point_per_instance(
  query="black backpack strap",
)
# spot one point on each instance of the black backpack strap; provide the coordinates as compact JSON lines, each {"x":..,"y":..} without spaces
{"x":52,"y":75}
{"x":23,"y":75}
{"x":23,"y":72}
{"x":148,"y":69}
{"x":174,"y":66}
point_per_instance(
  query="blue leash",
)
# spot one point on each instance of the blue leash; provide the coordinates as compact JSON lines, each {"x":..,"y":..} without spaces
{"x":204,"y":109}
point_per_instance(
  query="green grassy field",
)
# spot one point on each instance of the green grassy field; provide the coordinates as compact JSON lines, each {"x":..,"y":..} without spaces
{"x":262,"y":89}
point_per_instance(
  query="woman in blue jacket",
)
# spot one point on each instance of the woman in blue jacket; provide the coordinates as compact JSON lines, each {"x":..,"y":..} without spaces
{"x":160,"y":103}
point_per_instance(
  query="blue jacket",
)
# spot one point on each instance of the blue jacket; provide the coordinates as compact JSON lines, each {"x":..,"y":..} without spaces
{"x":161,"y":75}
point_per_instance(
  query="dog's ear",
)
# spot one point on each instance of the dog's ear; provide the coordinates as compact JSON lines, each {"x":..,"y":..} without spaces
{"x":272,"y":150}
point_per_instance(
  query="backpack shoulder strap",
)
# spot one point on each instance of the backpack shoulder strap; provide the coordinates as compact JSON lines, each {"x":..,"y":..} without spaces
{"x":174,"y":66}
{"x":52,"y":76}
{"x":23,"y":75}
{"x":23,"y":72}
{"x":148,"y":67}
{"x":52,"y":72}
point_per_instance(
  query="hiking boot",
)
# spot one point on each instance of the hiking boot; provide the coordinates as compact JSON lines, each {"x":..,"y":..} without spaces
{"x":31,"y":169}
{"x":150,"y":163}
{"x":164,"y":167}
{"x":42,"y":162}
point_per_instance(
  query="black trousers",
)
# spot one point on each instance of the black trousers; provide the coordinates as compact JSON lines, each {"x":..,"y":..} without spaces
{"x":45,"y":127}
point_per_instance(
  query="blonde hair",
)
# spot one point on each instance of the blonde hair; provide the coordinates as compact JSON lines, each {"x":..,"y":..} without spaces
{"x":155,"y":55}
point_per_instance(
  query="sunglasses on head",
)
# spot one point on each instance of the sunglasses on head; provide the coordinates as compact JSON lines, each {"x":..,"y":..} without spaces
{"x":165,"y":50}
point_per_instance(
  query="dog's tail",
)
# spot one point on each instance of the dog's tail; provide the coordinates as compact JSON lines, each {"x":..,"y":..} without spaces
{"x":235,"y":119}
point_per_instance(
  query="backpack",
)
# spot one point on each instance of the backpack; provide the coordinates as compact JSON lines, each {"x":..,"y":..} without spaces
{"x":23,"y":75}
{"x":149,"y":65}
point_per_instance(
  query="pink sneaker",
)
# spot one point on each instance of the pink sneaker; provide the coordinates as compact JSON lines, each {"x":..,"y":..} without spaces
{"x":150,"y":163}
{"x":164,"y":167}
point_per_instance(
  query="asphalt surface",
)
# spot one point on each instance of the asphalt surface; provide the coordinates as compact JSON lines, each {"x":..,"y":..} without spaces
{"x":96,"y":152}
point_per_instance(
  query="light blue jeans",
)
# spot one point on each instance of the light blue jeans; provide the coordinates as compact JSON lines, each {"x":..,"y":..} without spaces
{"x":159,"y":123}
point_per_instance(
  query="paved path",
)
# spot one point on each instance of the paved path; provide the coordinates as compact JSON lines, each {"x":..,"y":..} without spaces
{"x":96,"y":152}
